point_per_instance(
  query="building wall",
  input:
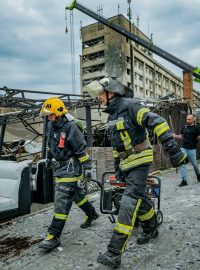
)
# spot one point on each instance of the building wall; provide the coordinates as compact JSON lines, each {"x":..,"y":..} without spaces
{"x":152,"y":80}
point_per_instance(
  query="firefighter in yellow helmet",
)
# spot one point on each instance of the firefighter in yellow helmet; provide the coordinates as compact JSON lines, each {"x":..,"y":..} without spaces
{"x":128,"y":122}
{"x":68,"y":147}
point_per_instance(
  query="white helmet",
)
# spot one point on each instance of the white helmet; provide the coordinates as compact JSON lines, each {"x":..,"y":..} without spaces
{"x":110,"y":84}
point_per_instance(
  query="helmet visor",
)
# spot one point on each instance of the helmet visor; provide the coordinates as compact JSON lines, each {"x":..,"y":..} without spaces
{"x":94,"y":88}
{"x":45,"y":112}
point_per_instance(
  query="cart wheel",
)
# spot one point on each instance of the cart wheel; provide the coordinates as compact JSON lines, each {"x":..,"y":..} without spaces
{"x":117,"y":200}
{"x":159,"y":217}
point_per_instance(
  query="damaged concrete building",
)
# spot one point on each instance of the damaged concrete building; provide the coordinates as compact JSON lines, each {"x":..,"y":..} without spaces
{"x":106,"y":52}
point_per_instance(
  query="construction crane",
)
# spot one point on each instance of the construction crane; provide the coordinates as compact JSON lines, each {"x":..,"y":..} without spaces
{"x":148,"y":45}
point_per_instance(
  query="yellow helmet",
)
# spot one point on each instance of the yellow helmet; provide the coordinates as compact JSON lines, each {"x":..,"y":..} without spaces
{"x":53,"y":105}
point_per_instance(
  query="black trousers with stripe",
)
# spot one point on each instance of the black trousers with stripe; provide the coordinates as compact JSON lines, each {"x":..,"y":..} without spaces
{"x":65,"y":195}
{"x":134,"y":203}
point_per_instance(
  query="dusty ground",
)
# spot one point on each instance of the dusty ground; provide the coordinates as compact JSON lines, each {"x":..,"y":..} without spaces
{"x":177,"y":247}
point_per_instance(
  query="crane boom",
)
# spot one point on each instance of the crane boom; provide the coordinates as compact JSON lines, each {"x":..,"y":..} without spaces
{"x":148,"y":45}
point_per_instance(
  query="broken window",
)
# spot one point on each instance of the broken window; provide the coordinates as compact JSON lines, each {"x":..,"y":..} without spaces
{"x":85,"y":82}
{"x":140,"y":77}
{"x":140,"y":65}
{"x":94,"y":68}
{"x":135,"y":76}
{"x":128,"y":59}
{"x":93,"y":56}
{"x":93,"y":42}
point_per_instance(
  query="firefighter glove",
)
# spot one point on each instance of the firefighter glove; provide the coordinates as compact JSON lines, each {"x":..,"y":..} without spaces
{"x":177,"y":157}
{"x":119,"y":176}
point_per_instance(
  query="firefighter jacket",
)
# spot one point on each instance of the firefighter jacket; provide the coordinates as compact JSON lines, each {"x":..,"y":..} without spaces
{"x":68,"y":147}
{"x":128,"y":125}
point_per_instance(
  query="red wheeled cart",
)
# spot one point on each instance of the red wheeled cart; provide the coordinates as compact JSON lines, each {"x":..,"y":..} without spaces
{"x":112,"y":191}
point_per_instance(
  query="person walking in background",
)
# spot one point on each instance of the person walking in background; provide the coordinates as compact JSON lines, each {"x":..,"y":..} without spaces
{"x":190,"y":135}
{"x":68,"y":147}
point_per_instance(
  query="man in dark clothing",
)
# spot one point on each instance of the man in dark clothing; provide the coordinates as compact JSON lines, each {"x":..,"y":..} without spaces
{"x":128,"y":122}
{"x":190,"y":135}
{"x":67,"y":145}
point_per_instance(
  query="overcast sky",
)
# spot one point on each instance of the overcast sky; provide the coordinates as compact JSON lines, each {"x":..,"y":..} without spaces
{"x":35,"y":52}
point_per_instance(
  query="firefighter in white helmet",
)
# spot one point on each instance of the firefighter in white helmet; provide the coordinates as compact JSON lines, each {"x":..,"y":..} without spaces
{"x":128,"y":123}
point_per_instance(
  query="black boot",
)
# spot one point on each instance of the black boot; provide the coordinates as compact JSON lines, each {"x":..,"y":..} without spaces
{"x":110,"y":259}
{"x":198,"y":177}
{"x":183,"y":183}
{"x":150,"y":230}
{"x":90,"y":213}
{"x":89,"y":220}
{"x":50,"y":242}
{"x":145,"y":237}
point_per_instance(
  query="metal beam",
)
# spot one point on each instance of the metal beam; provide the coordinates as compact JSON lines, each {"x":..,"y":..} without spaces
{"x":15,"y":98}
{"x":19,"y":91}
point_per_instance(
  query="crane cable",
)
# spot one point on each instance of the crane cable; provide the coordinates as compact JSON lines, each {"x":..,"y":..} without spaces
{"x":72,"y":49}
{"x":72,"y":46}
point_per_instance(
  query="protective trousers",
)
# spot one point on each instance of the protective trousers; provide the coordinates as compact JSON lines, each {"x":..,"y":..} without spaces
{"x":134,"y":204}
{"x":65,"y":195}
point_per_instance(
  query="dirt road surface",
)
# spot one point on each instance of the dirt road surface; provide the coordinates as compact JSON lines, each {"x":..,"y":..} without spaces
{"x":177,"y":247}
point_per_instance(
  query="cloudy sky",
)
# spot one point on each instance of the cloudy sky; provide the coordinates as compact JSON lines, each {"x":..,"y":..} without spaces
{"x":35,"y":51}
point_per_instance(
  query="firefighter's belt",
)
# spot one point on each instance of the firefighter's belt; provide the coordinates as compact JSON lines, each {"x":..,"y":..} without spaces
{"x":135,"y":150}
